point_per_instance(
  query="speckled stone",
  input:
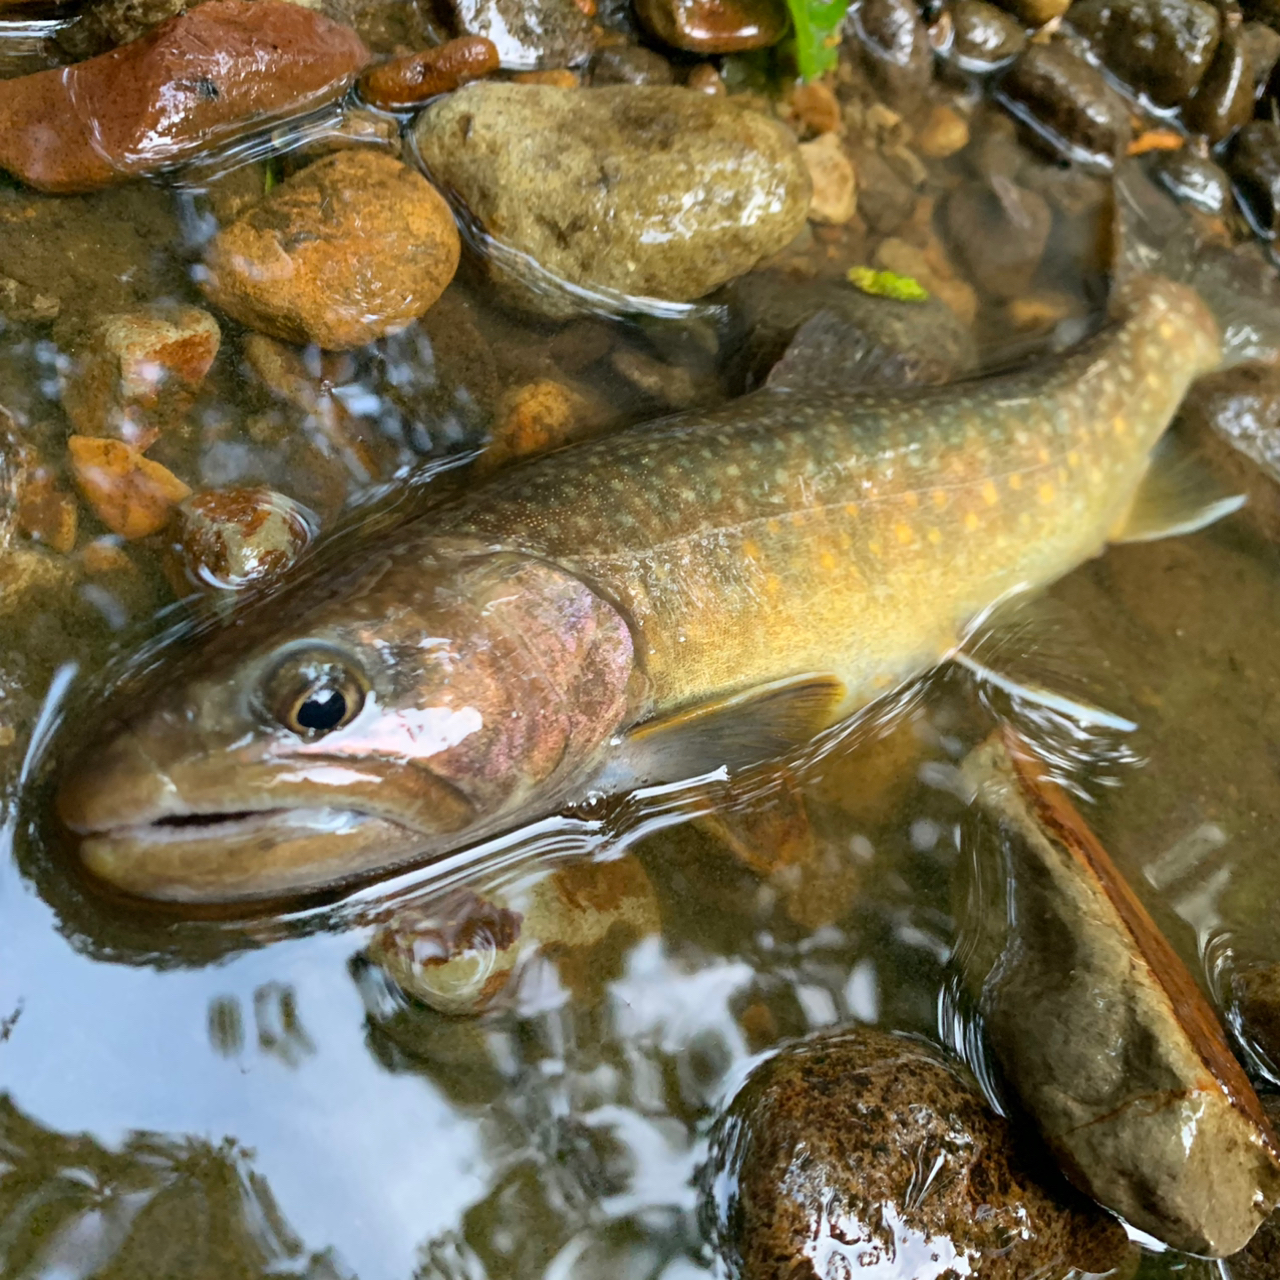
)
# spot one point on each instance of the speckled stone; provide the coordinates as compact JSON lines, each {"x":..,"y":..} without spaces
{"x":645,"y":190}
{"x":869,"y":1154}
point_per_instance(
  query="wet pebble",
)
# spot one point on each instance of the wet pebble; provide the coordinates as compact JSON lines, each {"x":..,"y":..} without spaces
{"x":672,"y":386}
{"x":227,"y":539}
{"x":465,"y":953}
{"x":1253,"y":160}
{"x":894,"y":47}
{"x":869,"y":1154}
{"x":944,"y":133}
{"x":537,"y":417}
{"x":984,"y":36}
{"x":1162,"y":48}
{"x":704,"y":78}
{"x":196,"y":80}
{"x":1260,"y":1259}
{"x":1193,"y":179}
{"x":412,"y":79}
{"x":133,"y":374}
{"x":1035,"y":13}
{"x":1262,"y":48}
{"x":999,"y":231}
{"x":1223,"y":100}
{"x":715,"y":26}
{"x":630,"y":64}
{"x":530,"y":35}
{"x":131,"y":494}
{"x":528,"y":162}
{"x":815,"y":107}
{"x":835,"y":193}
{"x":355,"y":246}
{"x":1068,"y":103}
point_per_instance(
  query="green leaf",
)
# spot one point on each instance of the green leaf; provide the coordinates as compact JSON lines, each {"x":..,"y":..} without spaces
{"x":817,"y":24}
{"x":887,"y":284}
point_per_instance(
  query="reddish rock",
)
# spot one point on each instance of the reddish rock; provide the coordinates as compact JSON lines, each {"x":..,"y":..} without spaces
{"x":191,"y":83}
{"x":135,"y":373}
{"x":356,"y":246}
{"x":715,"y":26}
{"x":130,"y":494}
{"x":407,"y":81}
{"x":229,"y":538}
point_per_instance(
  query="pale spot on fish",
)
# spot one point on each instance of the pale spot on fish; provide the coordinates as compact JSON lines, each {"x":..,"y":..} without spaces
{"x":1015,"y":480}
{"x":876,"y":549}
{"x":912,"y":499}
{"x":827,"y":560}
{"x":904,"y":534}
{"x":1119,"y":425}
{"x":939,"y":498}
{"x":989,"y":494}
{"x":935,"y":536}
{"x":851,"y":508}
{"x":1046,"y":493}
{"x":773,"y":526}
{"x":971,"y":521}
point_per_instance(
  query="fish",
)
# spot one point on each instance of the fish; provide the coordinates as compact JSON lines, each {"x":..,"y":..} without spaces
{"x":709,"y":589}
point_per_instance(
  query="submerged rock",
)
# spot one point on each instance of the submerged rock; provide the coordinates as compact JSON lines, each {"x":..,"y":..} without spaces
{"x":999,"y":231}
{"x":1223,"y":100}
{"x":1162,"y":48}
{"x":984,"y":35}
{"x":641,"y":190}
{"x":1254,"y":162}
{"x":134,"y":373}
{"x":353,"y":247}
{"x":192,"y":83}
{"x":131,"y":495}
{"x":630,"y":64}
{"x":1099,"y":1028}
{"x":869,"y":1154}
{"x":835,"y":192}
{"x":463,"y":953}
{"x":1193,"y":179}
{"x":1035,"y":13}
{"x":1068,"y":103}
{"x":715,"y":26}
{"x":895,"y":48}
{"x":229,"y":538}
{"x":529,"y":35}
{"x":416,"y":77}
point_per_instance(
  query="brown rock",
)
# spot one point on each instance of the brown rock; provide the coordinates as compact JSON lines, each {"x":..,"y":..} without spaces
{"x":193,"y":82}
{"x":704,"y":78}
{"x":835,"y":193}
{"x":134,"y":373}
{"x":556,"y":77}
{"x":1035,"y":13}
{"x":407,"y":81}
{"x":865,"y":1153}
{"x":46,"y":513}
{"x":530,"y":35}
{"x":1098,"y":1026}
{"x":535,"y":418}
{"x":999,"y":230}
{"x":945,"y":132}
{"x":130,"y":494}
{"x":632,"y":64}
{"x":230,"y":538}
{"x":816,"y":107}
{"x":460,"y":954}
{"x":715,"y":26}
{"x":356,"y":246}
{"x":1223,"y":100}
{"x":895,"y":48}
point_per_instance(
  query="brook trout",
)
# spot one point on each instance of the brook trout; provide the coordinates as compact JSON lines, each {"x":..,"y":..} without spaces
{"x":708,"y":588}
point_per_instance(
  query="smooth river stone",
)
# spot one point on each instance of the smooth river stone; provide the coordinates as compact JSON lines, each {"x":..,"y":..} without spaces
{"x":866,"y":1154}
{"x":715,"y":26}
{"x":1098,"y":1026}
{"x":225,"y":67}
{"x":636,"y":190}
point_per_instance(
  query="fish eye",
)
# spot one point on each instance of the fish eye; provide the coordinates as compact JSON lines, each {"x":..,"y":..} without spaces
{"x":315,"y":692}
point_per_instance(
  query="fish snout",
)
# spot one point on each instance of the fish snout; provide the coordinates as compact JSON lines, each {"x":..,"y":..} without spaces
{"x":117,"y":785}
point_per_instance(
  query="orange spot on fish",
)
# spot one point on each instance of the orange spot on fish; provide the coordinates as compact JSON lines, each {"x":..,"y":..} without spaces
{"x":904,"y":534}
{"x":827,"y":560}
{"x":751,"y":550}
{"x":1046,"y":493}
{"x":851,"y":508}
{"x":772,"y":585}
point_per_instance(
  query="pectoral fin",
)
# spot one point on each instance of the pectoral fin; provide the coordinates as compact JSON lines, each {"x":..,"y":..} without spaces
{"x":731,"y":732}
{"x":1178,"y":495}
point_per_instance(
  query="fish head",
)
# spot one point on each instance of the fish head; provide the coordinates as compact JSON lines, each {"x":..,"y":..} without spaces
{"x":389,"y":713}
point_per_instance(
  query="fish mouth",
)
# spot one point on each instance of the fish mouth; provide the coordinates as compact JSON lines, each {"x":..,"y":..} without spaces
{"x":245,"y":854}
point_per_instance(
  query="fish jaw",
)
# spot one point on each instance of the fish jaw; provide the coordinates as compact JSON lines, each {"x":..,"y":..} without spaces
{"x":205,"y":859}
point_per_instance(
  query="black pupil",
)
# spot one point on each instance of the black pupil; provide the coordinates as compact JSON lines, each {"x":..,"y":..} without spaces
{"x":323,"y":708}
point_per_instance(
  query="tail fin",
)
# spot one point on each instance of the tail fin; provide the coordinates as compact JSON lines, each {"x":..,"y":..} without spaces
{"x":1153,"y":235}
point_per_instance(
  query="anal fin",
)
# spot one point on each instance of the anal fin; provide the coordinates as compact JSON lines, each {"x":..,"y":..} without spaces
{"x":1179,"y":494}
{"x":742,"y":729}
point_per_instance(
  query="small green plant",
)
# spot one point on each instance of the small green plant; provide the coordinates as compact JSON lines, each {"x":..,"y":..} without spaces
{"x":817,"y":24}
{"x":887,"y":284}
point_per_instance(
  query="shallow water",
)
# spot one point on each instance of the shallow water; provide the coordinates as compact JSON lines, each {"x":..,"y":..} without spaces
{"x":248,"y":1095}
